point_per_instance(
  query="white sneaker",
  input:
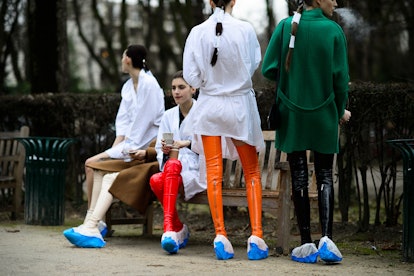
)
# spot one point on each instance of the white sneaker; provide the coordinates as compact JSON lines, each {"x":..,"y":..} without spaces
{"x":84,"y":237}
{"x":183,"y":236}
{"x":169,"y":242}
{"x":257,"y":249}
{"x":102,"y":227}
{"x":328,"y":251}
{"x":223,"y":248}
{"x":306,"y":253}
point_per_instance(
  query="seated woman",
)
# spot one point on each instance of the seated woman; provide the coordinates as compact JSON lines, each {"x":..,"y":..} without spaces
{"x":179,"y":165}
{"x":127,"y":181}
{"x":139,"y":113}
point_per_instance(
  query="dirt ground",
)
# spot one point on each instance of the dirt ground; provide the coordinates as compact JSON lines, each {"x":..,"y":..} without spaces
{"x":40,"y":250}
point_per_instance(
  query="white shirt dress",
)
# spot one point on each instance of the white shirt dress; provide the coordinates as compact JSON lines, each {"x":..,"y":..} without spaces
{"x":226,"y":105}
{"x":192,"y":182}
{"x":139,"y":114}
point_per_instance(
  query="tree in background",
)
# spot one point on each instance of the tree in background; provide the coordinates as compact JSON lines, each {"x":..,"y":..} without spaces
{"x":10,"y":11}
{"x":381,"y":43}
{"x":47,"y":41}
{"x":161,"y":27}
{"x":380,"y":39}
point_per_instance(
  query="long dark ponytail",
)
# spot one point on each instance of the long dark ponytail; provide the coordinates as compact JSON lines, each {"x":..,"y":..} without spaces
{"x":294,"y":29}
{"x":219,"y":30}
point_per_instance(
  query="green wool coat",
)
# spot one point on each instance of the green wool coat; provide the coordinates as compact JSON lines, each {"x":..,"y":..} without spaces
{"x":313,"y":94}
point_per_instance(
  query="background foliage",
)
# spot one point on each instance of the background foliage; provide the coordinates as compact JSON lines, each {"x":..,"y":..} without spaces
{"x":65,"y":45}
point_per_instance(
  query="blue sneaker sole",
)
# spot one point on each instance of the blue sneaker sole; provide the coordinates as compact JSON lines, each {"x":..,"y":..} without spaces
{"x":104,"y":232}
{"x":185,"y":241}
{"x":221,"y":254}
{"x":328,"y":256}
{"x":255,"y":253}
{"x":311,"y":259}
{"x":80,"y":240}
{"x":169,"y":245}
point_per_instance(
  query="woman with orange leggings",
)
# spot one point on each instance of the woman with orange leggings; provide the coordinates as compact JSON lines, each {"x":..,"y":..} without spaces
{"x":226,"y":115}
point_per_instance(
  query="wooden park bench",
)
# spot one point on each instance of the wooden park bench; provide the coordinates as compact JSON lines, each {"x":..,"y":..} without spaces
{"x":276,"y":191}
{"x":12,"y":155}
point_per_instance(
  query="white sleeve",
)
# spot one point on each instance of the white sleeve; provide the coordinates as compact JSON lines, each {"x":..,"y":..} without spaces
{"x":256,"y":54}
{"x":122,"y":121}
{"x":191,"y":72}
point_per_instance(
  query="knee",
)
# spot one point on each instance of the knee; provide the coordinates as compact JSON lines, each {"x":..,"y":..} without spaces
{"x":173,"y":166}
{"x":107,"y":181}
{"x":157,"y":181}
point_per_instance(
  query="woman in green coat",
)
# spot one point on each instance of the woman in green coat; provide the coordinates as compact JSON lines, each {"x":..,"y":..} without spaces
{"x":312,"y":94}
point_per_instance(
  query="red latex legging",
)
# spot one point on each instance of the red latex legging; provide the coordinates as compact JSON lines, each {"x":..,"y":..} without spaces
{"x":165,"y":186}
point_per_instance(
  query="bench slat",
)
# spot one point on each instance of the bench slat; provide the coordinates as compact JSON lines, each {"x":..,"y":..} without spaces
{"x":12,"y":155}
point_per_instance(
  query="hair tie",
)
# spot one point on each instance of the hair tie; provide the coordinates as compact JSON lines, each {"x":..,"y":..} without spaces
{"x":219,"y":13}
{"x":292,"y":42}
{"x":144,"y":64}
{"x":296,"y":17}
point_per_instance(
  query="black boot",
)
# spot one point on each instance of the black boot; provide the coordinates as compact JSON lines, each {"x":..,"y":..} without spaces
{"x":325,"y":200}
{"x":299,"y":174}
{"x":302,"y":211}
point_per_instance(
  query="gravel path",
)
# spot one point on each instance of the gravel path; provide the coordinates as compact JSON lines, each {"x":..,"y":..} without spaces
{"x":42,"y":250}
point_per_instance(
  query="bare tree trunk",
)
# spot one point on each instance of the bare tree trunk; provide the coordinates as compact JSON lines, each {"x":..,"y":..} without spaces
{"x":8,"y":35}
{"x":364,"y":222}
{"x":270,"y":19}
{"x":62,"y":74}
{"x":123,"y":27}
{"x":46,"y":45}
{"x":110,"y":64}
{"x":345,"y":164}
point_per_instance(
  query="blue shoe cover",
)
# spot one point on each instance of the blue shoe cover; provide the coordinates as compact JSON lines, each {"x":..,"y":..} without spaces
{"x":183,"y":236}
{"x":307,"y":253}
{"x":223,"y":248}
{"x":169,"y":242}
{"x":257,"y":248}
{"x":102,"y":228}
{"x":328,"y":251}
{"x":83,"y":241}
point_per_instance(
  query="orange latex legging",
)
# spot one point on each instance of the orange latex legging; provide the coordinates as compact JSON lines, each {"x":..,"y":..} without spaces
{"x":214,"y":168}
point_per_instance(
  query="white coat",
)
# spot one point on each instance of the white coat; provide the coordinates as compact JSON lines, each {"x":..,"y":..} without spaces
{"x":188,"y":158}
{"x":139,"y":114}
{"x":226,"y":105}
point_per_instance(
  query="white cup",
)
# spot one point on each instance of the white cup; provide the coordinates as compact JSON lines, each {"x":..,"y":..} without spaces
{"x":168,"y":139}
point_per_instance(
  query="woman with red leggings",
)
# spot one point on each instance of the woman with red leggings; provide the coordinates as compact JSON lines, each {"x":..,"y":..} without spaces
{"x":179,"y":166}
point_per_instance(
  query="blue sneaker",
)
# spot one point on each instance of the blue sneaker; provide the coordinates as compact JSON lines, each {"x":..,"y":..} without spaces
{"x":223,"y":248}
{"x":257,"y":248}
{"x":183,"y":236}
{"x":102,"y":227}
{"x":328,"y":251}
{"x":169,"y":242}
{"x":80,"y":240}
{"x":306,"y":253}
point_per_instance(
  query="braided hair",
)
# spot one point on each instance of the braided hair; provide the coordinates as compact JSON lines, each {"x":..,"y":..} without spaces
{"x":294,"y":29}
{"x":219,"y":29}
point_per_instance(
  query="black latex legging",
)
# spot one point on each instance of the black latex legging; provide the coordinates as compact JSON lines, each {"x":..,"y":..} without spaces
{"x":299,"y":173}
